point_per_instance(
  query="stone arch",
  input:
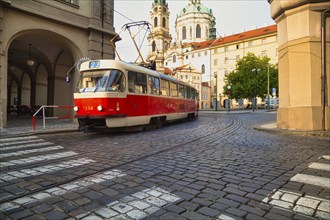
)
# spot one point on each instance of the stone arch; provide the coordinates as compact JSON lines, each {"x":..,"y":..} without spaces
{"x":42,"y":76}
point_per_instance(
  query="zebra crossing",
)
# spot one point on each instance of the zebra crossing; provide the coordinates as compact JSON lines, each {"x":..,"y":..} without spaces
{"x":300,"y":202}
{"x":29,"y":151}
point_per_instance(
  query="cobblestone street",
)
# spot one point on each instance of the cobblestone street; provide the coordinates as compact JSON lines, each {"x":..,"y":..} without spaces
{"x":216,"y":167}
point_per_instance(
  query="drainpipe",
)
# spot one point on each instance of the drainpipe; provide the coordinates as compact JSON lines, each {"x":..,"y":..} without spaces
{"x":324,"y":16}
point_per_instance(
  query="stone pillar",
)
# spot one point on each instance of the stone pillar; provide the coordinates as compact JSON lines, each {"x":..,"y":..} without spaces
{"x":3,"y":76}
{"x":302,"y":105}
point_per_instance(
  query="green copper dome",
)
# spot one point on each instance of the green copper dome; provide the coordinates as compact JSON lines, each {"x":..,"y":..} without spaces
{"x":159,"y":2}
{"x":195,"y":8}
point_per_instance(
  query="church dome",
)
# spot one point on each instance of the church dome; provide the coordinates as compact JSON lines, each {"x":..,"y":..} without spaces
{"x":195,"y":8}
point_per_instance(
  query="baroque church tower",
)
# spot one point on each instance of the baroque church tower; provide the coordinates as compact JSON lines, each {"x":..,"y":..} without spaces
{"x":159,"y":39}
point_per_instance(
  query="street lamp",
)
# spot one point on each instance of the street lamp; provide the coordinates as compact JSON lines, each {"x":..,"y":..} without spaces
{"x":216,"y":91}
{"x":254,"y":99}
{"x":228,"y":93}
{"x":268,"y":85}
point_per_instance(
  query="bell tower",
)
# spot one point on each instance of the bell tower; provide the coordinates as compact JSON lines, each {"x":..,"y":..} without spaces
{"x":159,"y":39}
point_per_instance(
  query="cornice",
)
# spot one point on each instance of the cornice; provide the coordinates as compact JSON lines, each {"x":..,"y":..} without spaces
{"x":278,"y":7}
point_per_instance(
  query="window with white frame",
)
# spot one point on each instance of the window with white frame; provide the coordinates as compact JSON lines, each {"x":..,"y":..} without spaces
{"x":215,"y":63}
{"x":263,"y":53}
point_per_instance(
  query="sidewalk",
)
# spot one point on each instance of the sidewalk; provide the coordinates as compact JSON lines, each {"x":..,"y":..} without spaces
{"x":22,"y":126}
{"x":269,"y":127}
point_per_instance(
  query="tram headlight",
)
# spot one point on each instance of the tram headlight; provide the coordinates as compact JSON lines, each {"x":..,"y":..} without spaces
{"x":99,"y":108}
{"x":75,"y":108}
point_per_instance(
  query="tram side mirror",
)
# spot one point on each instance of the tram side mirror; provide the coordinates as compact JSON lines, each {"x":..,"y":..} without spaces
{"x":67,"y":79}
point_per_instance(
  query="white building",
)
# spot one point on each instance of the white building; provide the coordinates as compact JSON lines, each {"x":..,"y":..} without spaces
{"x":194,"y":24}
{"x":196,"y":56}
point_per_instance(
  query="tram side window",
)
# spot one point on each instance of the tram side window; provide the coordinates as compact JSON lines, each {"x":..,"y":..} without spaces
{"x":165,"y":87}
{"x":137,"y":82}
{"x":174,"y":89}
{"x":181,"y":91}
{"x":188,"y":94}
{"x":193,"y":93}
{"x":153,"y":85}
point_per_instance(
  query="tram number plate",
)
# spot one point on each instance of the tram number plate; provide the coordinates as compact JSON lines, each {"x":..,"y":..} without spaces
{"x":94,"y":64}
{"x":88,"y":108}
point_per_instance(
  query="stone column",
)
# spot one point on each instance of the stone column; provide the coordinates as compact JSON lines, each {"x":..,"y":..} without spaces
{"x":3,"y":76}
{"x":302,"y":105}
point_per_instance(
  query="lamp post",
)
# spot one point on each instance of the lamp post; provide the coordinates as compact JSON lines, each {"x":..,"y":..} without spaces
{"x":228,"y":93}
{"x":216,"y":91}
{"x":254,"y":99}
{"x":268,"y":86}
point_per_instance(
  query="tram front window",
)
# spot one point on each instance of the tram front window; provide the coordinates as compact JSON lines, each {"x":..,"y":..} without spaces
{"x":101,"y":81}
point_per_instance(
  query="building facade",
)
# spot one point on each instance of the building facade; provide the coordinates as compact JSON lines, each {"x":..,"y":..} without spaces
{"x":304,"y":63}
{"x":195,"y":23}
{"x":195,"y":46}
{"x":41,"y":40}
{"x":215,"y":58}
{"x":225,"y":51}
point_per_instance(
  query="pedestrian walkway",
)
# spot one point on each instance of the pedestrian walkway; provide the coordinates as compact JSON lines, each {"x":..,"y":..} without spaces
{"x":313,"y":199}
{"x":22,"y":126}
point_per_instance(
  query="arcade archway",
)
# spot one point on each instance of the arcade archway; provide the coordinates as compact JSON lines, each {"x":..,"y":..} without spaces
{"x":38,"y":62}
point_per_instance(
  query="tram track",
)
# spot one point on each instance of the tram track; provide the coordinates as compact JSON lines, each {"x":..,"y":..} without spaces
{"x":209,"y":136}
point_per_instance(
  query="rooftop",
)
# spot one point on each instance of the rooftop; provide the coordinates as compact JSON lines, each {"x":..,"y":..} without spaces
{"x":233,"y":38}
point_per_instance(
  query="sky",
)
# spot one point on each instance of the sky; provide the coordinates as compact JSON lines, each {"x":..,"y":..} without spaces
{"x":232,"y":16}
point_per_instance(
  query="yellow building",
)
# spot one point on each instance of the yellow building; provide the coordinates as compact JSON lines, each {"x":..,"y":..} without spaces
{"x":304,"y":63}
{"x":41,"y":40}
{"x":225,"y":51}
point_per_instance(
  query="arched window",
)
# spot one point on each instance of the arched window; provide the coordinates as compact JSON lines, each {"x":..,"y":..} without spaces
{"x":153,"y":46}
{"x":191,"y":32}
{"x":155,"y":22}
{"x":164,"y":22}
{"x":184,"y":33}
{"x":174,"y":59}
{"x":198,"y":31}
{"x":203,"y":68}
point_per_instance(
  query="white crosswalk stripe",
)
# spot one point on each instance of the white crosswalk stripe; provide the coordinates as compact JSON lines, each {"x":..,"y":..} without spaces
{"x":312,"y":180}
{"x":18,"y":153}
{"x":17,"y":138}
{"x":62,"y":189}
{"x":303,"y":203}
{"x":27,"y":145}
{"x":135,"y":206}
{"x":18,"y":142}
{"x":327,"y":157}
{"x":43,"y":169}
{"x":320,"y":166}
{"x":38,"y":158}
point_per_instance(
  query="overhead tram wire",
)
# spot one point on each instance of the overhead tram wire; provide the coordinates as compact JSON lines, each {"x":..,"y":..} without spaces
{"x":147,"y":29}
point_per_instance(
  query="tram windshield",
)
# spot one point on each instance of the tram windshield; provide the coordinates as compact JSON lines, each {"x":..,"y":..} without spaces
{"x":101,"y":81}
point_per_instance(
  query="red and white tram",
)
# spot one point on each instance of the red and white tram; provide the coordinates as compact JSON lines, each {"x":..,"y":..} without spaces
{"x":116,"y":94}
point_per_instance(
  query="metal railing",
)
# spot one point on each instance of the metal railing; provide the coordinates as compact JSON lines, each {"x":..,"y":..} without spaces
{"x":44,"y":117}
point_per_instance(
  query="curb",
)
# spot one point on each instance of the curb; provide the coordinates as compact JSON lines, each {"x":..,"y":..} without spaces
{"x":273,"y":129}
{"x":6,"y":134}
